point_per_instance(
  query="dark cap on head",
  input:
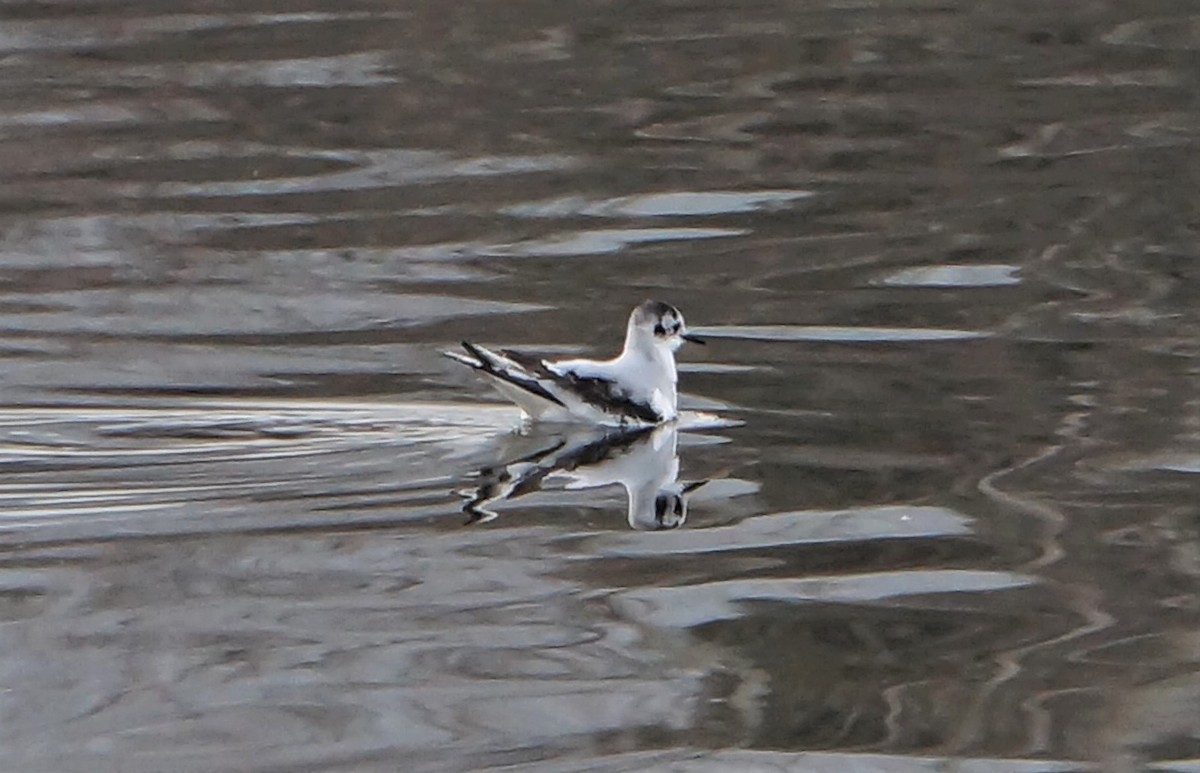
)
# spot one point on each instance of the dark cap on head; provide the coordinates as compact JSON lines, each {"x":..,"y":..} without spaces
{"x":652,"y":311}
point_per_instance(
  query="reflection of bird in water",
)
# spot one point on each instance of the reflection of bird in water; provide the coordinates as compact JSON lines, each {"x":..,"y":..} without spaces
{"x":635,"y":388}
{"x":643,"y":460}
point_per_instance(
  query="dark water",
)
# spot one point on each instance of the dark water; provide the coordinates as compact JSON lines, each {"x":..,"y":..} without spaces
{"x":946,"y":252}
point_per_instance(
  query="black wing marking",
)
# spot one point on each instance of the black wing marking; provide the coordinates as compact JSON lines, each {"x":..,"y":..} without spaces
{"x":488,"y":364}
{"x":601,"y":392}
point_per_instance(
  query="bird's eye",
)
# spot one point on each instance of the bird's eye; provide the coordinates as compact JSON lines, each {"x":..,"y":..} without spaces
{"x":659,"y":330}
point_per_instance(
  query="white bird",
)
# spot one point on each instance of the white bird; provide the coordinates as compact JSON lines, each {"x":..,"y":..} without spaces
{"x":637,"y":387}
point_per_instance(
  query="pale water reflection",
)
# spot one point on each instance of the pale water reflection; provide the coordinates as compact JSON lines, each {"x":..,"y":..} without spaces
{"x":643,"y":461}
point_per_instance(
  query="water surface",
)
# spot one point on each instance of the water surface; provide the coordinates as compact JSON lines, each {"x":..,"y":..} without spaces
{"x":938,"y":509}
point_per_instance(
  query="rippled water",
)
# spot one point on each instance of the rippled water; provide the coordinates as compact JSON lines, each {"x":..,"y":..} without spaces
{"x":933,"y":499}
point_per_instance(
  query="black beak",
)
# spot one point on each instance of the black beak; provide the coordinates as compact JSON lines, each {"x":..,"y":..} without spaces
{"x":693,"y":338}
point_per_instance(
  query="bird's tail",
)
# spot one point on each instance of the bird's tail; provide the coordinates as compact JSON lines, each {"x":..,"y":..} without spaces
{"x":481,"y":359}
{"x":503,"y":369}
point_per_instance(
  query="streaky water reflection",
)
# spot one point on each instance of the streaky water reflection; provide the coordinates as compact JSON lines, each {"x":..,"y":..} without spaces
{"x":136,"y":544}
{"x":642,"y":460}
{"x":946,"y":251}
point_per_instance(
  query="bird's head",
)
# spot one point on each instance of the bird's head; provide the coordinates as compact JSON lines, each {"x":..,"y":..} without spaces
{"x":660,"y":324}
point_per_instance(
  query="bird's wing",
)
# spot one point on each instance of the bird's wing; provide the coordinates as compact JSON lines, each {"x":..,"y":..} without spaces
{"x":601,"y":392}
{"x":503,"y":367}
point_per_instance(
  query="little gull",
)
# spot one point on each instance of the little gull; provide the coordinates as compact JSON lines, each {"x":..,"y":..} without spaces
{"x":637,"y":387}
